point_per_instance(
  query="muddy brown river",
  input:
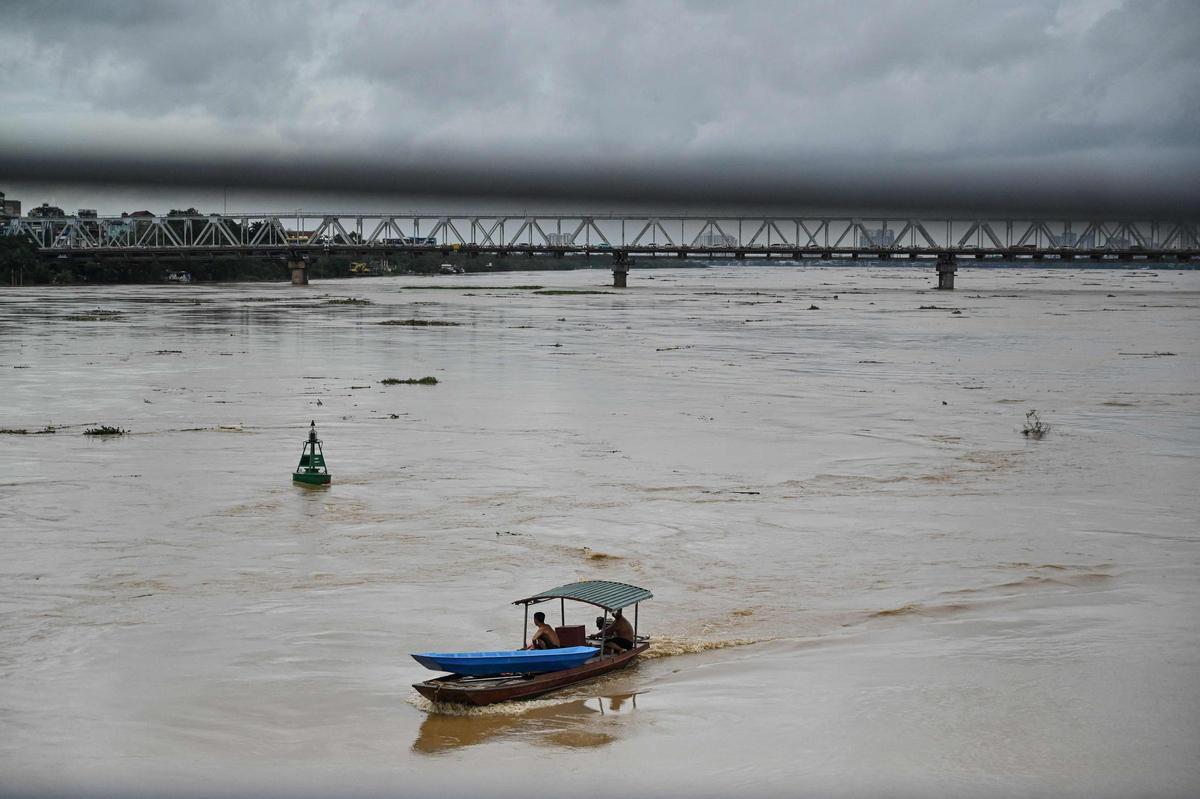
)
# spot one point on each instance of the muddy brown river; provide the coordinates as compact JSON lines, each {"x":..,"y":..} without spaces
{"x":867,"y":580}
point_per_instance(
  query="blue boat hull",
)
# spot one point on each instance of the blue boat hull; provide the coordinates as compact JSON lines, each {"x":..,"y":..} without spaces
{"x":521,"y":661}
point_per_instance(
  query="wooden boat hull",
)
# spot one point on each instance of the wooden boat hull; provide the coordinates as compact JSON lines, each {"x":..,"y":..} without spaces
{"x":479,"y":692}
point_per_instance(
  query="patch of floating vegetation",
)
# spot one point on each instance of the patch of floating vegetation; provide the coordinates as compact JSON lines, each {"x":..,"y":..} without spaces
{"x":411,"y":381}
{"x":105,"y":430}
{"x":98,"y":315}
{"x":1034,"y":427}
{"x":21,"y":431}
{"x":418,"y":323}
{"x":561,"y":292}
{"x":347,"y":301}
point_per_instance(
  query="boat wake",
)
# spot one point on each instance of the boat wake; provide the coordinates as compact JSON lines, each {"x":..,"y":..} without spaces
{"x":662,"y":646}
{"x":519,"y":708}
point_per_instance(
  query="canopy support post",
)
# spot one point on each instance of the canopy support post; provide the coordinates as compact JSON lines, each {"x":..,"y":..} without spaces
{"x":562,"y":610}
{"x":603,"y":631}
{"x":635,"y":615}
{"x":525,"y":629}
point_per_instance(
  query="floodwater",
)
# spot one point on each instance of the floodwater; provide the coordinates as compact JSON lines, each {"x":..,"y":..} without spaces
{"x":867,"y":581}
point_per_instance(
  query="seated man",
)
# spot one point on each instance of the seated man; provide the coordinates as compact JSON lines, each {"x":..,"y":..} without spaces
{"x":618,"y":635}
{"x":545,"y":637}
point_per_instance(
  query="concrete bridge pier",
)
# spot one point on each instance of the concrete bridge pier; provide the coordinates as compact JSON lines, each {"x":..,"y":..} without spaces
{"x":946,"y":267}
{"x":620,"y":269}
{"x":298,"y":266}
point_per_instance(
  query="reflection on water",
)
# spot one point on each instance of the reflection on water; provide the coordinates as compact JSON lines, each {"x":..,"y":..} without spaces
{"x":574,"y":723}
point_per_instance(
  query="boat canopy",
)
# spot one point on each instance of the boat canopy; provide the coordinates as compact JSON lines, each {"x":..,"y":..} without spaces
{"x":602,"y":593}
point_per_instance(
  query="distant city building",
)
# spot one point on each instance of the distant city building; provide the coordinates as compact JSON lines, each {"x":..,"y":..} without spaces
{"x":716,"y":240}
{"x":559,"y":239}
{"x":46,"y":211}
{"x":9,"y":207}
{"x":880,"y":237}
{"x":86,"y":213}
{"x":138,"y":215}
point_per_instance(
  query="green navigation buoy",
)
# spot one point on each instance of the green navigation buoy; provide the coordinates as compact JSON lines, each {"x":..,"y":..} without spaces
{"x":312,"y":469}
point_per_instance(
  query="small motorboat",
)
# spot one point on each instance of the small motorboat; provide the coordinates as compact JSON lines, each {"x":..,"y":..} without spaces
{"x":519,"y":661}
{"x":483,"y":678}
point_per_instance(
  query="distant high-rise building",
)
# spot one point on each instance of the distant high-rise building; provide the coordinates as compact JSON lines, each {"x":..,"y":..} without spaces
{"x":716,"y":240}
{"x":9,"y":207}
{"x":880,"y":237}
{"x":46,"y":211}
{"x":1070,"y":239}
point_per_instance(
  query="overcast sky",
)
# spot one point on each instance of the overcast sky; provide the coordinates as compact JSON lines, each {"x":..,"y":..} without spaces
{"x":1095,"y":90}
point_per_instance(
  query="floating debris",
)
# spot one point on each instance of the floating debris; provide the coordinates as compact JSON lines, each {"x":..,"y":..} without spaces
{"x":418,"y":323}
{"x":411,"y":381}
{"x":1034,"y":428}
{"x":105,"y":430}
{"x":98,"y":315}
{"x":347,"y":301}
{"x":562,"y":292}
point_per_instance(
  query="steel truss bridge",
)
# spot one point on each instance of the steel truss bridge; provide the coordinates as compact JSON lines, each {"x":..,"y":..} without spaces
{"x":293,"y":236}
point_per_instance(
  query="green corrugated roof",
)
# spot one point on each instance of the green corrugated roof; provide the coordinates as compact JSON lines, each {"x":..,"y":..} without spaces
{"x":601,"y":593}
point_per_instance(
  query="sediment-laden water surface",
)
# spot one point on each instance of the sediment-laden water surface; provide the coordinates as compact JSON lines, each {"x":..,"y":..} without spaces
{"x":866,"y":579}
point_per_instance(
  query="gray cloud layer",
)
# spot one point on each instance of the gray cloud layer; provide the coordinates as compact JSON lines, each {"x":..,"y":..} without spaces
{"x":1099,"y":91}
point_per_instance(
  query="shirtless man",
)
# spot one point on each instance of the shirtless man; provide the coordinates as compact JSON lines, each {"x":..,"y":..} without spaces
{"x":545,"y":637}
{"x":618,"y":635}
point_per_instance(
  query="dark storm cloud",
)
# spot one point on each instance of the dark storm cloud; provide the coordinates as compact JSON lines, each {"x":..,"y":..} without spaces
{"x":687,"y":101}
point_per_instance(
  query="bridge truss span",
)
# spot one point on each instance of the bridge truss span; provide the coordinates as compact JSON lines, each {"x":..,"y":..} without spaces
{"x":624,"y":235}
